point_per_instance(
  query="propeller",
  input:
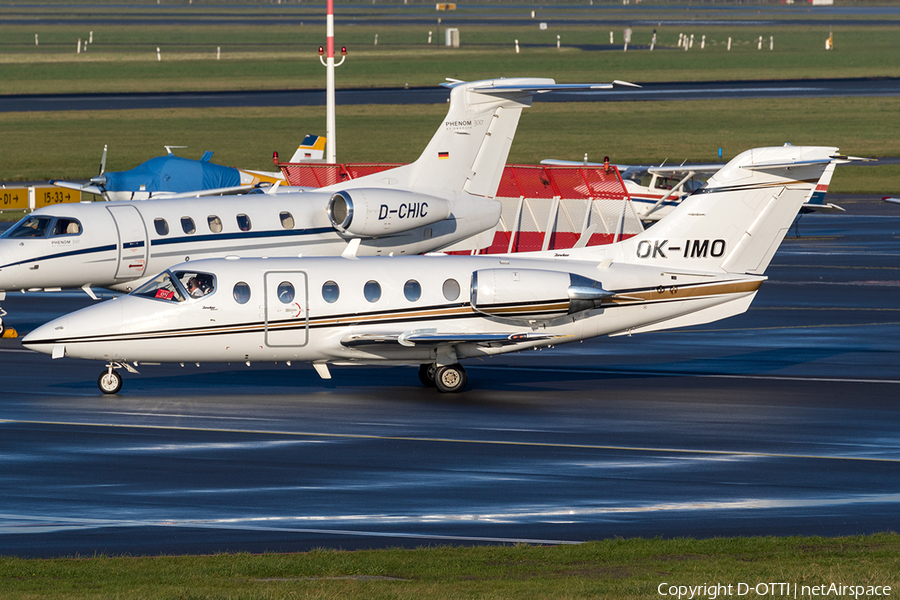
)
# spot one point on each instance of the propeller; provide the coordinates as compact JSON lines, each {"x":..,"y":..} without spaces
{"x":100,"y":178}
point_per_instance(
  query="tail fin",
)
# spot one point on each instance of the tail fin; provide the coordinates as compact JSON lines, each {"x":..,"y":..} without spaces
{"x":736,"y":222}
{"x":312,"y":148}
{"x":470,"y":148}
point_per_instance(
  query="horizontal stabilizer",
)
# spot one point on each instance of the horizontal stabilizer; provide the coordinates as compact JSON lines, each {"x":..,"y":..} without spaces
{"x":499,"y":86}
{"x":823,"y":208}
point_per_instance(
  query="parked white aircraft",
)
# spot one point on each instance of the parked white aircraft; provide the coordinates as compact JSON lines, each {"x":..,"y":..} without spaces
{"x":656,"y":190}
{"x":443,"y":197}
{"x":703,"y":263}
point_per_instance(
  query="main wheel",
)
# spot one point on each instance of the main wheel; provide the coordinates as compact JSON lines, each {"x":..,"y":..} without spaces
{"x":451,"y":378}
{"x":109,"y":382}
{"x":426,"y":374}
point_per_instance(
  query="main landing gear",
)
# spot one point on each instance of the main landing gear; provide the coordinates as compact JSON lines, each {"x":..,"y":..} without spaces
{"x":447,"y":379}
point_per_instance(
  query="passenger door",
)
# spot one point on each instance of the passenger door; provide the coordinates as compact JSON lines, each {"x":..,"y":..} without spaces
{"x":132,"y":242}
{"x":286,"y":309}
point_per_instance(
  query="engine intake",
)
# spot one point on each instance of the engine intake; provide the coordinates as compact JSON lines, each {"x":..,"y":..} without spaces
{"x":377,"y":212}
{"x":528,"y":295}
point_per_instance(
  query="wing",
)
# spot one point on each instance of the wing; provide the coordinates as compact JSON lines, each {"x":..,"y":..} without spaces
{"x":81,"y":187}
{"x":698,"y":169}
{"x":435,"y":338}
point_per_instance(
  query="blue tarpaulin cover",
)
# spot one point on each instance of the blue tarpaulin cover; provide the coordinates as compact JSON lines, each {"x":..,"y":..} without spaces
{"x":173,"y":174}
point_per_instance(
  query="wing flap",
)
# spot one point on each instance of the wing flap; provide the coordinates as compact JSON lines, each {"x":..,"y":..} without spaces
{"x":435,"y":338}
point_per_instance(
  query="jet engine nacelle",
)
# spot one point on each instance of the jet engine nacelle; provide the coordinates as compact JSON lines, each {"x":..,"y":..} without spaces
{"x":377,"y":212}
{"x":531,"y":295}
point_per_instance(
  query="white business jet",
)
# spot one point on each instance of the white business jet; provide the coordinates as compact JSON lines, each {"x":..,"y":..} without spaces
{"x":445,"y":196}
{"x":703,"y":263}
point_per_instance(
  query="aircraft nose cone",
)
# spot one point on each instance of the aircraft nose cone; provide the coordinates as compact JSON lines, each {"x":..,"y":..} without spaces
{"x":45,"y":337}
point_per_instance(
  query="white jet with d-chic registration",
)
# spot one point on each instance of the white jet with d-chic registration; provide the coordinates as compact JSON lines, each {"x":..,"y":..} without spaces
{"x":702,"y":263}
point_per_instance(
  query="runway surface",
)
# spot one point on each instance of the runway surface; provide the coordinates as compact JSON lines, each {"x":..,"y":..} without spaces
{"x":784,"y":420}
{"x":799,"y":88}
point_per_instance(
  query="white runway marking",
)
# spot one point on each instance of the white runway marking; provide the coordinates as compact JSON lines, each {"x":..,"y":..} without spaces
{"x":787,"y":378}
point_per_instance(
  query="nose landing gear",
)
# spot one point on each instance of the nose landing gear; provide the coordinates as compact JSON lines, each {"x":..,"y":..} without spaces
{"x":110,"y":382}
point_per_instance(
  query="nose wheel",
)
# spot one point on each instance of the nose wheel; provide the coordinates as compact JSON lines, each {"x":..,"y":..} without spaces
{"x":109,"y":381}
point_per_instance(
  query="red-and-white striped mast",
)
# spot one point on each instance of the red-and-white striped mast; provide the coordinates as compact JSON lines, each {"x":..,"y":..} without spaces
{"x":330,"y":146}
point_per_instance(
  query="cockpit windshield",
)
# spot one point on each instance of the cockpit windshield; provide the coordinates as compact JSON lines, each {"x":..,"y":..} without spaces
{"x":178,"y":286}
{"x":30,"y":227}
{"x":162,"y":287}
{"x":38,"y":226}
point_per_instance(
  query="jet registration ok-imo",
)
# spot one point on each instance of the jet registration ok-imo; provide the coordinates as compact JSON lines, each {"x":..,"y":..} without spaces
{"x":702,"y":263}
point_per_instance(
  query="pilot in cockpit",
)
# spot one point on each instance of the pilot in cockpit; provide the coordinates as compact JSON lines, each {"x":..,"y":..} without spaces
{"x":199,"y":285}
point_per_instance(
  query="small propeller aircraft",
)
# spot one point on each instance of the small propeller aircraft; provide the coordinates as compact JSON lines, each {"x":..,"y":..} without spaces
{"x":170,"y":175}
{"x":703,"y":263}
{"x":656,"y":190}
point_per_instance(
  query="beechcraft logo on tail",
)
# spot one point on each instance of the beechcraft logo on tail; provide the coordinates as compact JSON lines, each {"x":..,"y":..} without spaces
{"x":690,"y":249}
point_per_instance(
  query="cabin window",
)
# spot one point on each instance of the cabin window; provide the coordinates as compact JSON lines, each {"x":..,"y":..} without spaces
{"x":331,"y":292}
{"x":162,"y":287}
{"x":66,"y":226}
{"x":162,"y":228}
{"x":450,"y":289}
{"x":241,"y":293}
{"x":187,"y":225}
{"x":285,"y":292}
{"x":29,"y":227}
{"x":372,"y":291}
{"x":287,"y":220}
{"x":412,"y":290}
{"x":243,"y":222}
{"x":215,"y":223}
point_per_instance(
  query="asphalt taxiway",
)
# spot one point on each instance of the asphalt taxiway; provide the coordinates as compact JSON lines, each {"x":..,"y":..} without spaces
{"x":704,"y":90}
{"x":784,"y":420}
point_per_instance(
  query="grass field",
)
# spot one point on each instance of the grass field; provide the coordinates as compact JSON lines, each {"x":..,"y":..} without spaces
{"x":67,"y":145}
{"x":621,"y":569}
{"x":125,"y":59}
{"x":122,"y":58}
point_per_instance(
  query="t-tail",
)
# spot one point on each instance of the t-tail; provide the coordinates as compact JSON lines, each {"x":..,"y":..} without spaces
{"x":736,"y":222}
{"x":470,"y":148}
